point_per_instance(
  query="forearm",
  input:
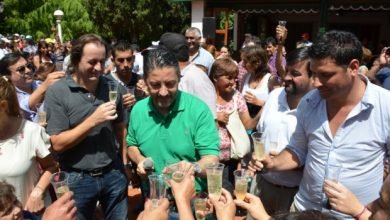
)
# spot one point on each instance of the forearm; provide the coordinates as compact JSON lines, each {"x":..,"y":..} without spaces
{"x":70,"y":138}
{"x":278,"y":63}
{"x":207,"y":160}
{"x":37,"y":96}
{"x":184,"y":208}
{"x":134,"y":154}
{"x":286,"y":160}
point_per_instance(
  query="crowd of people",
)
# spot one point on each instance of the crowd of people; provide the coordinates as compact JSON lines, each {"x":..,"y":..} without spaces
{"x":181,"y":103}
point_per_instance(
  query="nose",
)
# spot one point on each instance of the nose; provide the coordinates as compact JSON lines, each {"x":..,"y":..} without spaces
{"x":288,"y":76}
{"x":99,"y":66}
{"x":163,"y":91}
{"x":316,"y":81}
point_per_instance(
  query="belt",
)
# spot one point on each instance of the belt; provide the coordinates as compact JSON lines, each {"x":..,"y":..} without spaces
{"x":94,"y":172}
{"x":280,"y":186}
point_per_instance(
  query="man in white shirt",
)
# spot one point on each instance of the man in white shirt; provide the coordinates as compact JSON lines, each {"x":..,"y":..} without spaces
{"x":278,"y":120}
{"x":193,"y":80}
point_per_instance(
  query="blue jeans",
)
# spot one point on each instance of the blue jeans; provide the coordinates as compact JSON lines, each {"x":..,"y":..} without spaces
{"x":110,"y":189}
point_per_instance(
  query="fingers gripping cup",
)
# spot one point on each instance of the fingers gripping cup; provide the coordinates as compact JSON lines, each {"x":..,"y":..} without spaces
{"x":59,"y":180}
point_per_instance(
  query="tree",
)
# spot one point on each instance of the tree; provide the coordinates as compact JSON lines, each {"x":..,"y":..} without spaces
{"x":35,"y":17}
{"x":139,"y":21}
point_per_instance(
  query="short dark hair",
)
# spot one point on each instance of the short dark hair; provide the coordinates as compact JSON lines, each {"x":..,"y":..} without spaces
{"x":270,"y":40}
{"x":341,"y":46}
{"x":223,"y":67}
{"x":78,"y":47}
{"x":298,"y":55}
{"x":7,"y":61}
{"x":157,"y":58}
{"x":121,"y":45}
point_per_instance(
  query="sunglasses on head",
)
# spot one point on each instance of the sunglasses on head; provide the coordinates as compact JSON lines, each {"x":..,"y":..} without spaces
{"x":22,"y":69}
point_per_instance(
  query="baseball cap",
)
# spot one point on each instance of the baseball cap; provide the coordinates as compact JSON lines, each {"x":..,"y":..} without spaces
{"x":176,"y":43}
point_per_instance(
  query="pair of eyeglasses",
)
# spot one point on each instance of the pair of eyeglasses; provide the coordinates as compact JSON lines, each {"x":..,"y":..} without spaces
{"x":22,"y":69}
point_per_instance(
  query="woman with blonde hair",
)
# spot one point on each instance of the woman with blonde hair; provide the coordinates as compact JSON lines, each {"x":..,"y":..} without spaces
{"x":23,"y":146}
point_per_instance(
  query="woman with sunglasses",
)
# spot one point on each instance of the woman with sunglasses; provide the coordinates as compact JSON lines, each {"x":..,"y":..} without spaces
{"x":19,"y":71}
{"x":23,"y":145}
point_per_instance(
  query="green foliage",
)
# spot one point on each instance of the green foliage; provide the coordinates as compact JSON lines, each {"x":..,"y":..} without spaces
{"x":140,"y":21}
{"x":230,"y":21}
{"x":35,"y":17}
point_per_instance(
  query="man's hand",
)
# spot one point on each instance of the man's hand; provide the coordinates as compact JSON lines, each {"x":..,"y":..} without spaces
{"x":341,"y":199}
{"x":140,"y":168}
{"x":223,"y":205}
{"x":281,"y":33}
{"x":128,"y":100}
{"x":257,"y":165}
{"x":105,"y":112}
{"x":160,"y":212}
{"x":254,"y":206}
{"x":52,"y":78}
{"x":185,"y":190}
{"x":64,"y":208}
{"x":141,"y":86}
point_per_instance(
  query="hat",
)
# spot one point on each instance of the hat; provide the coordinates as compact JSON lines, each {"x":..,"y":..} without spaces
{"x":176,"y":43}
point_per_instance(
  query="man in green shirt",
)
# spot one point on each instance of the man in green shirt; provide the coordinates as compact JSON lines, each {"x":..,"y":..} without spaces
{"x":170,"y":126}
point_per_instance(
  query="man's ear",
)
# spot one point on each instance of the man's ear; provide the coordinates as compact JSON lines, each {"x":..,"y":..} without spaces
{"x":354,"y":66}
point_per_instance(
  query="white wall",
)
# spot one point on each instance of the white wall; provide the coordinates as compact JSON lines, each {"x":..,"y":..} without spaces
{"x":197,"y":14}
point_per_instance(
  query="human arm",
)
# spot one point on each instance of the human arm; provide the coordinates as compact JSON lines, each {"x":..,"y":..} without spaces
{"x":281,"y":35}
{"x":286,"y":160}
{"x":135,"y":155}
{"x":207,"y":159}
{"x":224,"y":205}
{"x":68,"y":139}
{"x":160,"y":212}
{"x":343,"y":200}
{"x":63,"y":208}
{"x":37,"y":96}
{"x":183,"y":192}
{"x":383,"y":60}
{"x":249,"y":123}
{"x":120,"y":132}
{"x":254,"y":206}
{"x":35,"y":201}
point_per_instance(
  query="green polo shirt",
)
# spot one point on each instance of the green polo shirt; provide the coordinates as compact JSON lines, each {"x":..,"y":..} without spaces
{"x":188,"y":132}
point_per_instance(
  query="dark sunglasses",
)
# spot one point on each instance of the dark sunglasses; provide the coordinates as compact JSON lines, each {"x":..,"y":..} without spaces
{"x":22,"y":69}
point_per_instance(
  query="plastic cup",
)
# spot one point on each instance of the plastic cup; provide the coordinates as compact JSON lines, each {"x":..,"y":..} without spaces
{"x":158,"y":189}
{"x":130,"y":89}
{"x":41,"y":113}
{"x":332,"y":172}
{"x":240,"y":184}
{"x":214,"y":178}
{"x":59,"y":180}
{"x":113,"y":92}
{"x":174,"y":171}
{"x":258,"y":142}
{"x":200,"y":205}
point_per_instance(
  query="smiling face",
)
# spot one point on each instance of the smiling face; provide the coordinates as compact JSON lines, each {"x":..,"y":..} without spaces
{"x":331,"y":80}
{"x":297,"y":80}
{"x":21,"y":73}
{"x":193,"y":41}
{"x":91,"y":65}
{"x":162,"y":85}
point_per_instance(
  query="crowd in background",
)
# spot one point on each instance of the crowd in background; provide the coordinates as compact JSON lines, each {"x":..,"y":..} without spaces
{"x":321,"y":104}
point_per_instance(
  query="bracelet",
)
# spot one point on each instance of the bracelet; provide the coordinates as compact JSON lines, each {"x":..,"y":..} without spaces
{"x":360,"y":213}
